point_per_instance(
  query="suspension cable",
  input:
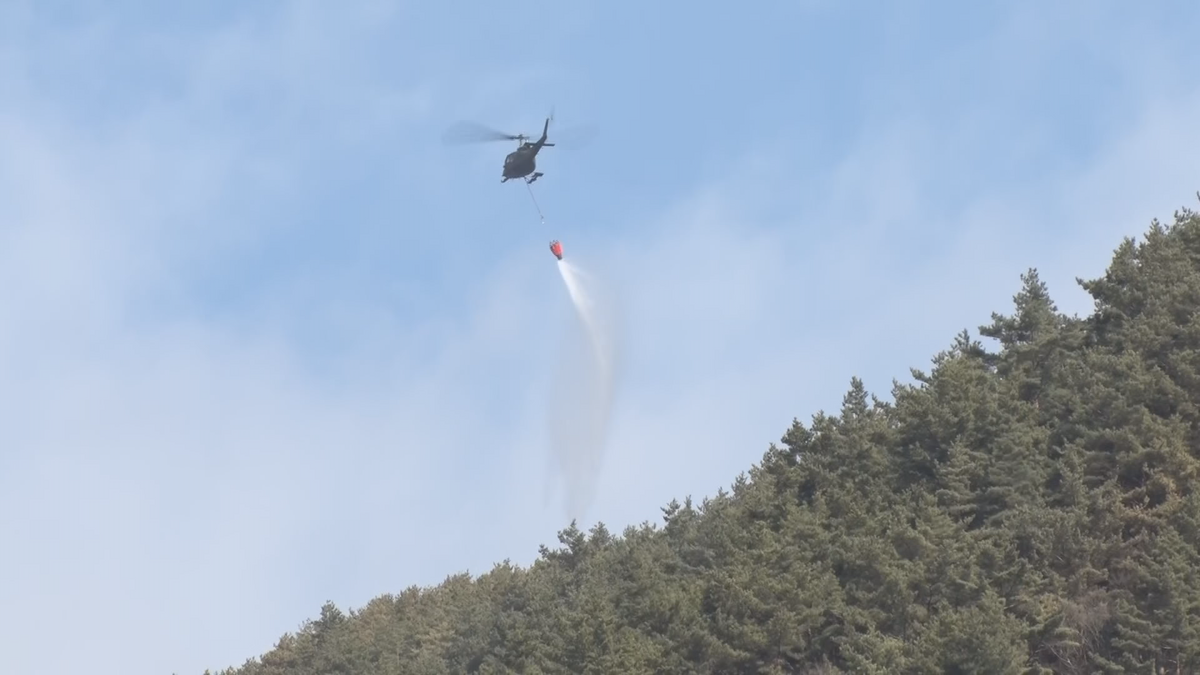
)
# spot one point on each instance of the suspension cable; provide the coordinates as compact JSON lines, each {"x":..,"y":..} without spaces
{"x":529,"y":187}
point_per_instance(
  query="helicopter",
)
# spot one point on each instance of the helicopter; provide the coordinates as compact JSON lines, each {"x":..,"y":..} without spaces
{"x":520,"y":163}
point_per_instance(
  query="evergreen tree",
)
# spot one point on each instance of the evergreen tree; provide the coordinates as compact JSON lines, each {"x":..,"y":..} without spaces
{"x":1028,"y":510}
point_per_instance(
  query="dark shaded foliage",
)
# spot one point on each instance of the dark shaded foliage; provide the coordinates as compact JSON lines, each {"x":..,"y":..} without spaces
{"x":1029,"y":510}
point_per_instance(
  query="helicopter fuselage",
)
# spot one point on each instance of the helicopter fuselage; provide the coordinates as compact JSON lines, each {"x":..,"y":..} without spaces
{"x":523,"y":161}
{"x":520,"y":163}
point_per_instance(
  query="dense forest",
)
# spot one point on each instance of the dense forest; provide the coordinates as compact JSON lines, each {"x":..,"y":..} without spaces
{"x":1028,"y":505}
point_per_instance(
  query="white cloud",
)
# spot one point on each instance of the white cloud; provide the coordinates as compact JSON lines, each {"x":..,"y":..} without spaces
{"x":190,"y":491}
{"x":181,"y":491}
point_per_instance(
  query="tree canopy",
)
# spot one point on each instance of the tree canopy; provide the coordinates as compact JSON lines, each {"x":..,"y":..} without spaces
{"x":1029,"y":507}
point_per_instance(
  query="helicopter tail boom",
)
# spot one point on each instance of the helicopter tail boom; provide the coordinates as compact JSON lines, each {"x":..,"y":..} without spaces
{"x":545,"y":132}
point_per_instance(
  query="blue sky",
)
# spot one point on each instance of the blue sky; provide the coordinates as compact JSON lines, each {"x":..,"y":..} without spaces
{"x":265,"y":341}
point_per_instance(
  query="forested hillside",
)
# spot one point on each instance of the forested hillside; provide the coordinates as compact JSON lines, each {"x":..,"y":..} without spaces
{"x":1029,"y":504}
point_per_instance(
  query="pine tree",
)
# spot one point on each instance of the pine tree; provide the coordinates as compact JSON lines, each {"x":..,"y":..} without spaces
{"x":1028,"y":510}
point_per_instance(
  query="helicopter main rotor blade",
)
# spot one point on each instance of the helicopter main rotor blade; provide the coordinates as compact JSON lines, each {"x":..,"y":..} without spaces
{"x":471,"y":132}
{"x":575,"y":135}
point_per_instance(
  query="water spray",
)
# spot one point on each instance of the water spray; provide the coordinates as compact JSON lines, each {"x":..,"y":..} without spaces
{"x":581,"y":403}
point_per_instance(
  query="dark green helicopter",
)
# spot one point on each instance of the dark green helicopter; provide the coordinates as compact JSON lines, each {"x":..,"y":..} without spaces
{"x":520,"y":163}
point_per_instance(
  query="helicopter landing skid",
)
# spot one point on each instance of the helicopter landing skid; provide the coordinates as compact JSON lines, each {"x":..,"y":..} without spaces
{"x":534,"y":177}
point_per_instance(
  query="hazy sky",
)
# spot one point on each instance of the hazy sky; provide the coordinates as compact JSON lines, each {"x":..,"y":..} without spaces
{"x":266,"y":342}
